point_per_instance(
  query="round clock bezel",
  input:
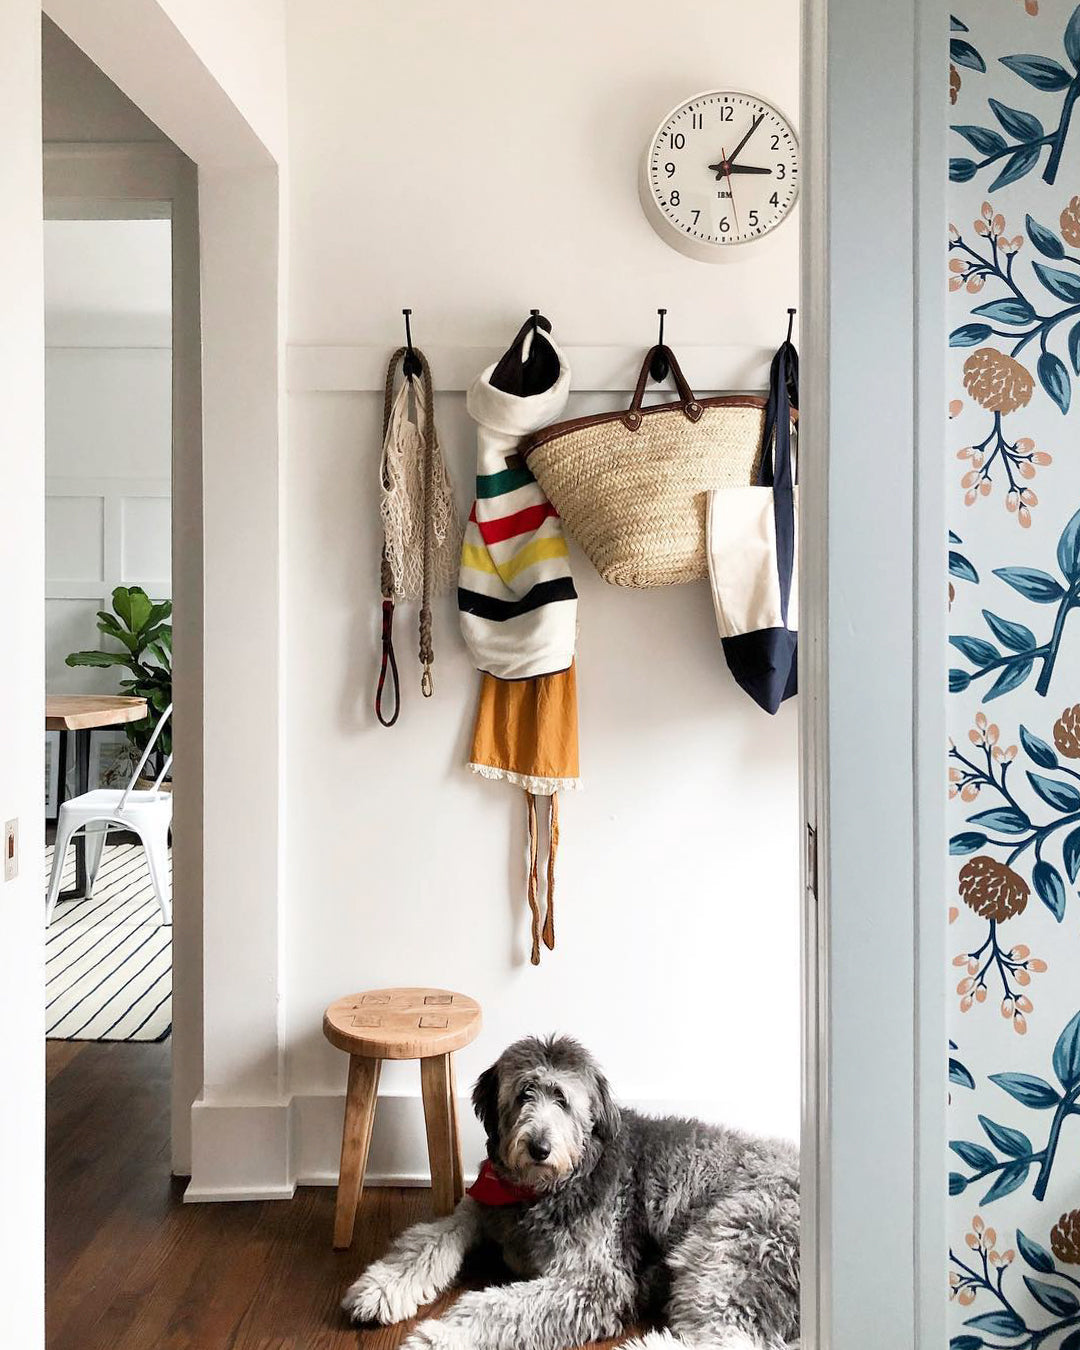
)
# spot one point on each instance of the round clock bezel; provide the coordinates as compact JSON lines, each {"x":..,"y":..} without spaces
{"x":703,"y":250}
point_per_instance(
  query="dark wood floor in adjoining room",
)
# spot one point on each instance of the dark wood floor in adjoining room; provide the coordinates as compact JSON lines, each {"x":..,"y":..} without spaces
{"x":129,"y":1267}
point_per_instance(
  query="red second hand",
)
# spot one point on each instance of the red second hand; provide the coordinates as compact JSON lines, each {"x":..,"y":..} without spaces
{"x":731,"y":189}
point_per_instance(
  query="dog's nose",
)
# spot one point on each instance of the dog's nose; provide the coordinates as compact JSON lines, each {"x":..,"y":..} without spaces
{"x":539,"y":1150}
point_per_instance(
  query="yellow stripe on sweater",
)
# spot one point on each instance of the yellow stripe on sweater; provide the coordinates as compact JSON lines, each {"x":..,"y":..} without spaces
{"x":481,"y":560}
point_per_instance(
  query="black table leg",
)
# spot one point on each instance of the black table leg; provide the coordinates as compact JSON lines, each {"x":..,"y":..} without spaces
{"x":82,"y":779}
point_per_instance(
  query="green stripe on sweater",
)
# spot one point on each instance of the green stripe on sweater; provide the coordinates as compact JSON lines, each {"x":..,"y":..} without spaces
{"x":495,"y":484}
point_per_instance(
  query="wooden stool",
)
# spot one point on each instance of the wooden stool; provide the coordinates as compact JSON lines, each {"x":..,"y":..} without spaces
{"x":424,"y":1024}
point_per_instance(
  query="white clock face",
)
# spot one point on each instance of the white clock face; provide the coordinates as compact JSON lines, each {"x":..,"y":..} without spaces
{"x":722,"y":170}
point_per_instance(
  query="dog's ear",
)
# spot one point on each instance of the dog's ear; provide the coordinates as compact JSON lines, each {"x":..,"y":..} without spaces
{"x":606,"y":1118}
{"x":485,"y":1100}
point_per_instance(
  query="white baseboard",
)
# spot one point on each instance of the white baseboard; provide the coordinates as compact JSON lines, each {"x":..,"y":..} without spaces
{"x":264,"y":1150}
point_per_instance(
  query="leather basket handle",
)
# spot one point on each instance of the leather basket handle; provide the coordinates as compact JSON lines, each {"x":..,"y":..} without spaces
{"x":690,"y":405}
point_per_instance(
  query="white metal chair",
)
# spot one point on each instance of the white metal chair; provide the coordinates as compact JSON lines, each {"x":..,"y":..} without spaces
{"x":146,"y":812}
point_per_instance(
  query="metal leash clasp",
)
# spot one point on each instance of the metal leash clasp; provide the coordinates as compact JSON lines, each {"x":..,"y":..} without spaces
{"x":427,"y":688}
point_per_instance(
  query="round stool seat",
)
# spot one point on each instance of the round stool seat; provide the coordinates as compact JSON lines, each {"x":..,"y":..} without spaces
{"x":402,"y":1023}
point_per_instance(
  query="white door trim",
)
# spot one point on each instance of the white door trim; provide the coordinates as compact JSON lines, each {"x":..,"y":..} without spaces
{"x":872,"y":673}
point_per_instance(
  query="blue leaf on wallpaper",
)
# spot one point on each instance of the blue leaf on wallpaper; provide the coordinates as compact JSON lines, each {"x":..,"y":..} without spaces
{"x":1068,"y":549}
{"x":1003,"y":1323}
{"x":954,"y":538}
{"x":1044,"y":239}
{"x":1012,"y":677}
{"x":1041,"y":71}
{"x":1038,"y":1258}
{"x":973,"y":1154}
{"x":966,"y":842}
{"x":1022,"y":162}
{"x":957,"y":1183}
{"x":966,"y":1343}
{"x":964,"y":54}
{"x":968,"y":334}
{"x":1071,"y":1341}
{"x":1070,"y":854}
{"x":1060,"y":1302}
{"x":1065,"y":285}
{"x":1061,"y":796}
{"x":1012,"y":1142}
{"x":1074,"y":348}
{"x":957,"y":25}
{"x":1031,"y":583}
{"x":960,"y":567}
{"x":986,"y":141}
{"x":1054,"y":378}
{"x":1049,"y":887}
{"x":960,"y":1074}
{"x":1072,"y":38}
{"x":962,"y":170}
{"x":1009,"y":1179}
{"x":975,"y":649}
{"x":1012,"y":311}
{"x":1067,"y":1055}
{"x":1014,"y":635}
{"x":1003,"y":819}
{"x":1022,"y":126}
{"x":1028,"y":1090}
{"x":958,"y":681}
{"x":1044,"y":755}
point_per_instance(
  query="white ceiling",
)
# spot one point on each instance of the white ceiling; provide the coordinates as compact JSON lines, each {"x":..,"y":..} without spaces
{"x":108,"y":283}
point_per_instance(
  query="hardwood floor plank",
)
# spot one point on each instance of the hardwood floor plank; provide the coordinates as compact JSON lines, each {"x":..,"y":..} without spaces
{"x":130,"y":1267}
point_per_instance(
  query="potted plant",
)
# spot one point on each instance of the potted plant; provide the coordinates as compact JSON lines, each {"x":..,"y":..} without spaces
{"x":140,"y":627}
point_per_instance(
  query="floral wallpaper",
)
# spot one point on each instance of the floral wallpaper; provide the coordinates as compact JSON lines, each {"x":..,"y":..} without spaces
{"x":1013,"y":760}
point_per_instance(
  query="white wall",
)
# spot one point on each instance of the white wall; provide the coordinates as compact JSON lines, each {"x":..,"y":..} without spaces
{"x":472,"y":165}
{"x":22,"y":1122}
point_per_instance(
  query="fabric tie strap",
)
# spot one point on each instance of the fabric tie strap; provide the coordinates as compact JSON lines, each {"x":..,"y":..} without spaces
{"x":490,"y":1189}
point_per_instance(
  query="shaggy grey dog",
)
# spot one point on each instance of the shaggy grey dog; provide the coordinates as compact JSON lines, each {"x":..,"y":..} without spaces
{"x":629,"y":1219}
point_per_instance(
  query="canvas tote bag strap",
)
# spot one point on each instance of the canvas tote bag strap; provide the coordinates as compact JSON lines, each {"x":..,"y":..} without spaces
{"x":776,"y":468}
{"x":690,"y":405}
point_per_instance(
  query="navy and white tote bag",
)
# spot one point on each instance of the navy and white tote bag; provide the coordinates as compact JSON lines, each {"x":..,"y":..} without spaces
{"x":751,"y":542}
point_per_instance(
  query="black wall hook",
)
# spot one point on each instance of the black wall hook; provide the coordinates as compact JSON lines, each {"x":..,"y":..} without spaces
{"x":658,"y":367}
{"x":411,"y":365}
{"x":790,"y":324}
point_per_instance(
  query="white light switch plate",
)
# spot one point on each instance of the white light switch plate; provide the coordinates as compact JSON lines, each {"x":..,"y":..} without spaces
{"x":11,"y":850}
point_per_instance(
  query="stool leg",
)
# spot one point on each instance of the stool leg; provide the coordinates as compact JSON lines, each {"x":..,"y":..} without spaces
{"x":455,"y":1135}
{"x":435,"y":1086}
{"x":355,"y":1140}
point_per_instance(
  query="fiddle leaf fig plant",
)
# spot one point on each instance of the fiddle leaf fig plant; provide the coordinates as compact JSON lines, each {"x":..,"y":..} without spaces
{"x":141,"y":629}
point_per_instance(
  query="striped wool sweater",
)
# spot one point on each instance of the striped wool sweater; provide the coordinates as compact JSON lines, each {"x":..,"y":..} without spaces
{"x":515,"y":589}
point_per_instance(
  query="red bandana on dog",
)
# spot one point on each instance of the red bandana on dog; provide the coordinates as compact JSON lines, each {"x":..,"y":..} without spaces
{"x":490,"y":1189}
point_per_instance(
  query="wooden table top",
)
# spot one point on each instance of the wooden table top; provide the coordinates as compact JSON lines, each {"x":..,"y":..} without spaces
{"x":81,"y":712}
{"x":402,"y":1023}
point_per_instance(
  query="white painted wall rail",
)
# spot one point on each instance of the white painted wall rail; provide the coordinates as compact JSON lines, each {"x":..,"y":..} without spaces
{"x":357,"y":369}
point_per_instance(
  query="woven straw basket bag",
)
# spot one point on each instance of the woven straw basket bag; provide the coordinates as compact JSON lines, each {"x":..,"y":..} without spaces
{"x":632,"y":486}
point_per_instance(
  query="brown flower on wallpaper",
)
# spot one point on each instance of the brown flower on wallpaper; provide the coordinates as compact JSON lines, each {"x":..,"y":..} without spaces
{"x":1070,"y":223}
{"x":992,"y":890}
{"x":996,"y":381}
{"x":954,"y":84}
{"x":1067,"y":732}
{"x":1065,"y":1238}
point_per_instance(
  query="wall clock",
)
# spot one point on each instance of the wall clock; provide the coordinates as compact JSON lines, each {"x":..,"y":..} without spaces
{"x":720,"y":174}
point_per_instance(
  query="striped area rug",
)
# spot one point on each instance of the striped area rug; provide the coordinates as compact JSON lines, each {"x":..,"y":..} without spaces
{"x":108,"y":960}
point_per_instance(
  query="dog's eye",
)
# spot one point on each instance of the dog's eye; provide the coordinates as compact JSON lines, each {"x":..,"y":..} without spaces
{"x":560,"y":1098}
{"x":525,"y":1095}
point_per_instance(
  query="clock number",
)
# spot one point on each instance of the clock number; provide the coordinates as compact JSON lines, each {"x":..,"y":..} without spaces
{"x":781,"y":171}
{"x":753,"y":220}
{"x":697,"y":121}
{"x":678,"y":140}
{"x":776,"y":142}
{"x":669,"y":168}
{"x":725,"y":225}
{"x":674,"y":198}
{"x":696,"y":214}
{"x":774,"y":200}
{"x":727,"y":112}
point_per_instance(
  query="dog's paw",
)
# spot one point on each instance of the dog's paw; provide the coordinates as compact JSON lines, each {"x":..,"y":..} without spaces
{"x":381,"y":1294}
{"x":436,"y":1335}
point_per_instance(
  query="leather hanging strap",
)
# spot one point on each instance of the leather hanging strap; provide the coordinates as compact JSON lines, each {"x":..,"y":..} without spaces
{"x":534,"y":903}
{"x":543,"y":927}
{"x":553,"y":848}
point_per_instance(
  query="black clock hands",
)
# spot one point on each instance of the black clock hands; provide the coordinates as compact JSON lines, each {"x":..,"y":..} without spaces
{"x":727,"y":162}
{"x":745,"y":168}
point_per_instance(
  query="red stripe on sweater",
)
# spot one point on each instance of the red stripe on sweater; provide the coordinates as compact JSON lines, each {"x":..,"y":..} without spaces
{"x":506,"y":527}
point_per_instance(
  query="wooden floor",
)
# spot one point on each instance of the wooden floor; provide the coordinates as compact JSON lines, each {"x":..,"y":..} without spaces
{"x":131,"y":1268}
